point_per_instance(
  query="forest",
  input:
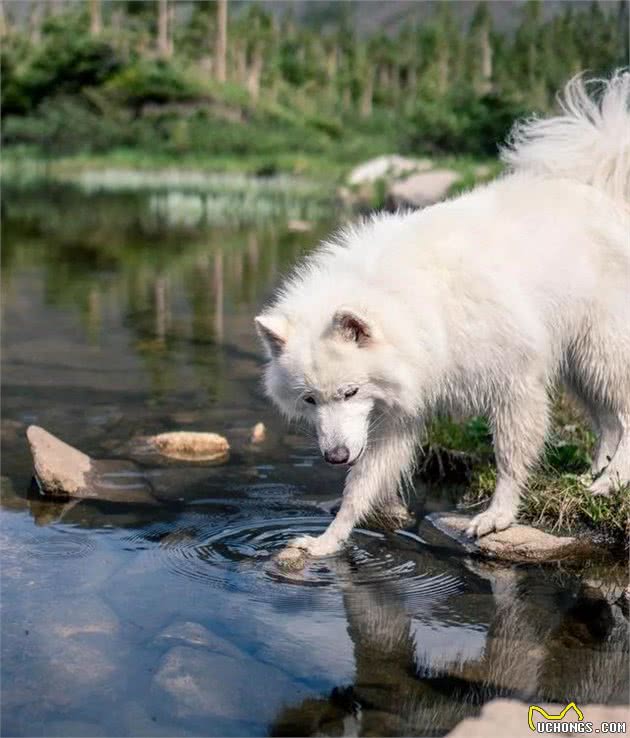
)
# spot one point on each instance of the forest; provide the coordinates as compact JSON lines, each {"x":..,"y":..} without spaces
{"x":249,"y":85}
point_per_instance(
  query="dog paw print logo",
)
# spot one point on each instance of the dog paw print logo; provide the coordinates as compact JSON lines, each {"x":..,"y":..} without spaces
{"x":545,"y":714}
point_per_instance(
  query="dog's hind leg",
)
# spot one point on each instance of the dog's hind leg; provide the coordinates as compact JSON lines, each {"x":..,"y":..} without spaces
{"x":609,"y":431}
{"x":617,"y":472}
{"x":520,"y":420}
{"x":600,"y":362}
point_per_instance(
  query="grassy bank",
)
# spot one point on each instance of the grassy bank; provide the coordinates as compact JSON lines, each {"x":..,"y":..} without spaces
{"x":557,"y":496}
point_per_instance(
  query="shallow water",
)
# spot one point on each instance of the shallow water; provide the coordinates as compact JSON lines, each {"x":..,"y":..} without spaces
{"x":173,"y":619}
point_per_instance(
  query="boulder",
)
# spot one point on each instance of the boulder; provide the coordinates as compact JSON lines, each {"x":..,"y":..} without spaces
{"x":420,"y":190}
{"x":390,"y":166}
{"x":517,"y":543}
{"x":64,"y":471}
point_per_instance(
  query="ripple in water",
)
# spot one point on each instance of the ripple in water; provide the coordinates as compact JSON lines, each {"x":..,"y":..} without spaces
{"x":240,"y":557}
{"x":59,"y":543}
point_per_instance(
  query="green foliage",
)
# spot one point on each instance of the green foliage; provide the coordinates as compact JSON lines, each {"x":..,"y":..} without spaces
{"x":464,"y":122}
{"x":430,"y":87}
{"x":64,"y":65}
{"x":152,"y":81}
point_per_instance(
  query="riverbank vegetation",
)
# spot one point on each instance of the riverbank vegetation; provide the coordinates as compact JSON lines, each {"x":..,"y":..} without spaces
{"x":557,"y":495}
{"x":254,"y":86}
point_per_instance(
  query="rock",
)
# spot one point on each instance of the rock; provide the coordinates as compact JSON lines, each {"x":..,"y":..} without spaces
{"x":299,"y":226}
{"x":81,"y":616}
{"x":195,"y":634}
{"x":420,"y":190}
{"x":190,"y":446}
{"x":390,"y":166}
{"x":517,"y":543}
{"x":60,"y":468}
{"x":291,"y":559}
{"x":510,"y":717}
{"x":64,"y":471}
{"x":259,"y":433}
{"x":214,"y":685}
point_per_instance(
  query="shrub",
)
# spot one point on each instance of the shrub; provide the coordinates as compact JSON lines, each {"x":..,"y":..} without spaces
{"x":463,"y":123}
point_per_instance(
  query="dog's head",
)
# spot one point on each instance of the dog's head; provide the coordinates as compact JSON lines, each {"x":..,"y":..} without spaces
{"x":326,"y":374}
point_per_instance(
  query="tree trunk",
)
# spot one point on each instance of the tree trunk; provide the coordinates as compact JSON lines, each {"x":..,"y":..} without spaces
{"x":241,"y":63}
{"x":485,"y":82}
{"x":443,"y":72}
{"x":367,"y":93}
{"x":254,"y":73}
{"x":163,"y":43}
{"x":35,"y":23}
{"x":96,"y":17}
{"x":220,"y":54}
{"x":4,"y":25}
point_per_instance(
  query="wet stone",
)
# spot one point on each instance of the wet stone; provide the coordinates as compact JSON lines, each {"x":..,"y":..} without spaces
{"x":194,"y":634}
{"x":84,"y":616}
{"x":517,"y":543}
{"x":197,"y":683}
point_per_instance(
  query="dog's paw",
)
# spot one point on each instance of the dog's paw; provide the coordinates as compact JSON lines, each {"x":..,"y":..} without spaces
{"x":602,"y":486}
{"x":488,"y":522}
{"x":315,"y":545}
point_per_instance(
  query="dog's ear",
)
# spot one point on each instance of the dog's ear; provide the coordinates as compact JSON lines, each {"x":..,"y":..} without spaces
{"x":353,"y":327}
{"x":273,"y":330}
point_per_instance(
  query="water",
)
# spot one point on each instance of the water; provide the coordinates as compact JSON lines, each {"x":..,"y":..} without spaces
{"x":174,"y":620}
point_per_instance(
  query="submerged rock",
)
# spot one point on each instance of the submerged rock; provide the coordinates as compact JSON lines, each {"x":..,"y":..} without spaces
{"x":194,"y":634}
{"x":517,"y":543}
{"x":81,"y":616}
{"x":198,"y":683}
{"x":191,"y":446}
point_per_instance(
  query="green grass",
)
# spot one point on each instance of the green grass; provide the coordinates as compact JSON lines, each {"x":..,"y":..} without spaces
{"x":562,"y":502}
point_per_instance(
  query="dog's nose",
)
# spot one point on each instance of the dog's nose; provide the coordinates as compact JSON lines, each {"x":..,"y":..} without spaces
{"x":338,"y":455}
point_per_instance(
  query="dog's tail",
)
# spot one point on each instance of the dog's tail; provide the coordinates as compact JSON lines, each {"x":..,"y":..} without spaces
{"x":588,"y":142}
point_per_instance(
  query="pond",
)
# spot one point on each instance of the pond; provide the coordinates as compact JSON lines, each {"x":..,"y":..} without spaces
{"x":172,"y":620}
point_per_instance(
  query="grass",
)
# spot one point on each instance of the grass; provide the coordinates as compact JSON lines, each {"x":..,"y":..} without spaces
{"x":557,"y":495}
{"x":563,"y":502}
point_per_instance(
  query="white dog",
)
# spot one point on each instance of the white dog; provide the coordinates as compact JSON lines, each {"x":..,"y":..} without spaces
{"x":478,"y":305}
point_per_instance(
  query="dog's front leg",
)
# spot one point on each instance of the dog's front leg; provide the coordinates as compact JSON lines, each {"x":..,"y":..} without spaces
{"x":377,"y":472}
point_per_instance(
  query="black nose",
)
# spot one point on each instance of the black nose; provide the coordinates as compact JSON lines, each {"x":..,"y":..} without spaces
{"x":338,"y":455}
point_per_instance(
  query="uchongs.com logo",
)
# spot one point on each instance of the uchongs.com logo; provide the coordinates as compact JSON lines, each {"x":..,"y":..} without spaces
{"x":574,"y":723}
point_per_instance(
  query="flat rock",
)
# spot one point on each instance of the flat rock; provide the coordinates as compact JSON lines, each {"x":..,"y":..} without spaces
{"x":420,"y":190}
{"x":198,"y":683}
{"x":389,"y":166}
{"x":191,"y":446}
{"x":517,"y":543}
{"x":510,"y":718}
{"x":64,"y":471}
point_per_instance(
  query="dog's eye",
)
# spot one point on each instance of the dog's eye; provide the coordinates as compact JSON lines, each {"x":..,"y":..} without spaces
{"x":350,"y":393}
{"x":310,"y":399}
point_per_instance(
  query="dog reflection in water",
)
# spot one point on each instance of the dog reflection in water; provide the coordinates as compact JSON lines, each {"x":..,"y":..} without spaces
{"x":538,"y":646}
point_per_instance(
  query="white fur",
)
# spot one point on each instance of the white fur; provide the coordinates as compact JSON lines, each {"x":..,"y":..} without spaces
{"x":476,"y":305}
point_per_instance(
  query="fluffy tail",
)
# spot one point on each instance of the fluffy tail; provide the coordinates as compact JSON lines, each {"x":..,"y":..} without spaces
{"x":589,"y":142}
